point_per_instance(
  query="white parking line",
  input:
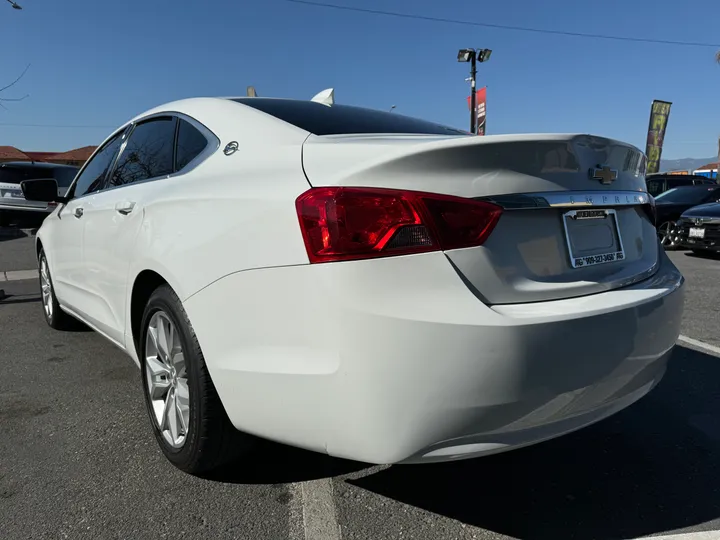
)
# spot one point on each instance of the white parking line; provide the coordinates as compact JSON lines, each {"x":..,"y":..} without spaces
{"x":712,"y":349}
{"x":312,"y":511}
{"x":18,"y":275}
{"x":702,"y":535}
{"x":296,"y":528}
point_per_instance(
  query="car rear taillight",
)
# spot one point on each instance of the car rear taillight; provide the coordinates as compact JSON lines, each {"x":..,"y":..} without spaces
{"x":346,"y":223}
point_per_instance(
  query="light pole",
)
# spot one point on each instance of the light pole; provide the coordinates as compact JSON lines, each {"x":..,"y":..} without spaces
{"x":392,"y":108}
{"x":15,"y":5}
{"x":473,"y":56}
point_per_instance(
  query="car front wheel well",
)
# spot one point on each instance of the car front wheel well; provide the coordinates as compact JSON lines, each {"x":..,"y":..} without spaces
{"x":145,"y":284}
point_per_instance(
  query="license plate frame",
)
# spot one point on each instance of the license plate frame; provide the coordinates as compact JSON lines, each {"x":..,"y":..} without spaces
{"x":697,"y":233}
{"x":581,"y":261}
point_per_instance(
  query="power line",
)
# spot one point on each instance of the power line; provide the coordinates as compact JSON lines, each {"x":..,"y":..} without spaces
{"x":503,"y":26}
{"x":57,"y":126}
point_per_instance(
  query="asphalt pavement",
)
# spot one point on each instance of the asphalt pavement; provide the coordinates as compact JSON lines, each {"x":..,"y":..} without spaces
{"x":78,"y":459}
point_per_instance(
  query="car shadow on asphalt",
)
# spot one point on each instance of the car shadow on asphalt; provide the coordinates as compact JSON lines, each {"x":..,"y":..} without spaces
{"x":12,"y":234}
{"x":652,"y":468}
{"x":19,"y":230}
{"x":6,"y":299}
{"x":279,"y":464}
{"x":703,"y":255}
{"x":9,"y":298}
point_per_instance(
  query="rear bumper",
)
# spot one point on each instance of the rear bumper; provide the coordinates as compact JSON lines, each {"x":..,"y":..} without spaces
{"x":395,"y":360}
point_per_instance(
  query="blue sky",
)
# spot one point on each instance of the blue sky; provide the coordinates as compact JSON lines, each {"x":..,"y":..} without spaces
{"x":99,"y":63}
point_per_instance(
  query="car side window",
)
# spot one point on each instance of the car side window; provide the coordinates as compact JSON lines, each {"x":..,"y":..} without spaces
{"x":190,"y":142}
{"x":654,"y":187}
{"x":92,"y":178}
{"x":148,"y":152}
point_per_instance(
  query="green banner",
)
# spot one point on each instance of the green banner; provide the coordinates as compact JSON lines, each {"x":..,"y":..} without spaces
{"x":659,"y":114}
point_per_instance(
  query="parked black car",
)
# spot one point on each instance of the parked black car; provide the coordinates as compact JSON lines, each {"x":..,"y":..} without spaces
{"x":13,"y":204}
{"x":698,"y":228}
{"x":659,"y":183}
{"x":671,"y":204}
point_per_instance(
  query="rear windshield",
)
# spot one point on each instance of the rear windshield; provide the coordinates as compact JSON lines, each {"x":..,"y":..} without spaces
{"x":685,"y":195}
{"x":320,"y":119}
{"x":15,"y":175}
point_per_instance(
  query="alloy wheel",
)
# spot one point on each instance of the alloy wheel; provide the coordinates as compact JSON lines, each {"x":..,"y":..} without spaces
{"x":667,"y":234}
{"x":46,"y":288}
{"x":167,"y":379}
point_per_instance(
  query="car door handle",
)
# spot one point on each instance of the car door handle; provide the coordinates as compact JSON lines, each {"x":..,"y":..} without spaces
{"x":78,"y":212}
{"x":125,"y":207}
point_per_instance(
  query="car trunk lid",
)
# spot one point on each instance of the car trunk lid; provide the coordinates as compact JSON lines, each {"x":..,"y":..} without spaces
{"x":576,"y":217}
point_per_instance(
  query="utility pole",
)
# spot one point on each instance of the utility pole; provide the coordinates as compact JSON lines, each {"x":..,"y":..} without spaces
{"x":473,"y":97}
{"x":473,"y":56}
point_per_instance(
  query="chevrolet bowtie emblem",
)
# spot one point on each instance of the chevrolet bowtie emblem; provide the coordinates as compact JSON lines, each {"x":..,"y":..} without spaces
{"x":605,"y":174}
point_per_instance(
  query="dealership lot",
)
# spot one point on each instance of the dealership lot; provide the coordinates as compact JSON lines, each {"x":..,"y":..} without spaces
{"x":78,"y":459}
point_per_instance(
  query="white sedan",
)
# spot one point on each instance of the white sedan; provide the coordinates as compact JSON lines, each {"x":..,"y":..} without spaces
{"x":360,"y":283}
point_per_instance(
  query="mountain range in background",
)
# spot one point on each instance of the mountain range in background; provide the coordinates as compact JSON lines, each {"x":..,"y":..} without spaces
{"x":685,"y":164}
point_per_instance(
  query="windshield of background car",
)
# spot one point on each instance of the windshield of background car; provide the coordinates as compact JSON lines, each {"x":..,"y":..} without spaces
{"x":685,"y":195}
{"x":64,"y":176}
{"x":15,"y":175}
{"x":320,"y":119}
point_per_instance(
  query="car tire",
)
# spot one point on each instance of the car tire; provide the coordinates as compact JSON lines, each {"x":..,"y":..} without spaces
{"x":179,"y":392}
{"x":4,"y":219}
{"x":54,"y":315}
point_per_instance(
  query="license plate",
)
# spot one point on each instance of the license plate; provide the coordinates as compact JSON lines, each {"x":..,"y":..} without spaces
{"x":696,"y":232}
{"x":593,"y":237}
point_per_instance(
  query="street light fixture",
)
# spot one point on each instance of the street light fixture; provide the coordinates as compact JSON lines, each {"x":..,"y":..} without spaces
{"x":473,"y":56}
{"x":15,"y":5}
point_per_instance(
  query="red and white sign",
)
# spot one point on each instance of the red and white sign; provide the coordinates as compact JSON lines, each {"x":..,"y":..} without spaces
{"x":480,"y":99}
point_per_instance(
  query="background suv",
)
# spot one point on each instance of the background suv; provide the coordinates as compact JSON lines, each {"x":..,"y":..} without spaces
{"x":13,"y":205}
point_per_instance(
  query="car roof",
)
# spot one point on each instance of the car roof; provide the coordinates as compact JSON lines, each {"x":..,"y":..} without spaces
{"x":677,"y":176}
{"x":698,"y":186}
{"x":36,"y":164}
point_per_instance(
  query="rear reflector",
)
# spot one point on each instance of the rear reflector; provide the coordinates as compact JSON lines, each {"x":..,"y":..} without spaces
{"x":342,"y":223}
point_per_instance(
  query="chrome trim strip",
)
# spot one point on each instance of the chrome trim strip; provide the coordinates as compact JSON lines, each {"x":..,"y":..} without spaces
{"x":568,"y":199}
{"x":700,"y":220}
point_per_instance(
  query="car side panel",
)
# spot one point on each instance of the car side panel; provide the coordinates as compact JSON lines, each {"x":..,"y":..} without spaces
{"x":61,"y":236}
{"x":233,"y":213}
{"x":108,"y":246}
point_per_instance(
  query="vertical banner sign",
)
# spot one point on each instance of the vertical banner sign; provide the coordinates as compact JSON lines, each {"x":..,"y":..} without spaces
{"x":659,"y":114}
{"x":480,"y":116}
